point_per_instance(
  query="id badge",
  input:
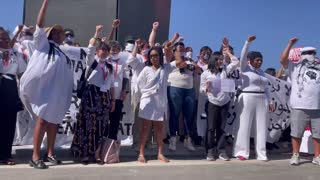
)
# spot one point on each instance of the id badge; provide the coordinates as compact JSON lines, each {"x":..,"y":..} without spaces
{"x":116,"y":84}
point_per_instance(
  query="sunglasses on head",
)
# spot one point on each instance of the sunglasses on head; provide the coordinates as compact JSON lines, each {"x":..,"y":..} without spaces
{"x":308,"y":53}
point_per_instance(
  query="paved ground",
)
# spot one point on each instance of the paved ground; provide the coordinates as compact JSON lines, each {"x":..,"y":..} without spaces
{"x":184,"y":165}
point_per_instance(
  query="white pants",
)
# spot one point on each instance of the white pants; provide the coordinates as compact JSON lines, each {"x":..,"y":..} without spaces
{"x":251,"y":109}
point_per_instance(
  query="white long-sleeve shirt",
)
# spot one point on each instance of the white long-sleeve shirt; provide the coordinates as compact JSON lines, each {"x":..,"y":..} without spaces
{"x":253,"y":80}
{"x":216,"y":96}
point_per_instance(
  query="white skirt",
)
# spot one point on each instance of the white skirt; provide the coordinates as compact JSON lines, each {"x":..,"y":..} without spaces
{"x":152,"y":108}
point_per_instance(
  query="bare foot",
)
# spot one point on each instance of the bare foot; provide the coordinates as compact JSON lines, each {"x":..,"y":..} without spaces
{"x":162,"y":158}
{"x":142,"y":159}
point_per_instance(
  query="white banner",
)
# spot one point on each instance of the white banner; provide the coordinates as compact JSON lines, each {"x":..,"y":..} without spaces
{"x":279,"y":120}
{"x":25,"y":126}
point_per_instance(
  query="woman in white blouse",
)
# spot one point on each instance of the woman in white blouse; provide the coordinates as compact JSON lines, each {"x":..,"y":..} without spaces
{"x":152,"y":83}
{"x":253,"y":105}
{"x":11,"y":66}
{"x":96,"y":102}
{"x":47,"y":86}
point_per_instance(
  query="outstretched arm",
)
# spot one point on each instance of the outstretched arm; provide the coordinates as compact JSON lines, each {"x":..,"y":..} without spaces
{"x":244,"y":52}
{"x":284,"y":56}
{"x":14,"y":39}
{"x":42,"y":13}
{"x":153,"y":34}
{"x":115,"y":25}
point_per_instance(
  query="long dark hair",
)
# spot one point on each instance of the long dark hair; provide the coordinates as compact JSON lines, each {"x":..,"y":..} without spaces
{"x":159,"y":51}
{"x":212,"y":64}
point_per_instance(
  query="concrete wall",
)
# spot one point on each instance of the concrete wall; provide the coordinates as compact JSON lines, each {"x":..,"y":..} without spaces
{"x":83,"y":15}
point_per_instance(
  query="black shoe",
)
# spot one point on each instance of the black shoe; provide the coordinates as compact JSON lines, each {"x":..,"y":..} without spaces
{"x":52,"y":160}
{"x":38,"y":164}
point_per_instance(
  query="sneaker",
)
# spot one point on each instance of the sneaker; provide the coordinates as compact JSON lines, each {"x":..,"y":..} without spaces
{"x":316,"y":160}
{"x":188,"y":144}
{"x":210,"y":158}
{"x":52,"y":159}
{"x":241,"y":158}
{"x":224,"y":157}
{"x":173,"y":143}
{"x":295,"y":159}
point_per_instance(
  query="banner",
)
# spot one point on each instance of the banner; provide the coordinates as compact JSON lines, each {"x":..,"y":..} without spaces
{"x":279,"y":120}
{"x":66,"y":130}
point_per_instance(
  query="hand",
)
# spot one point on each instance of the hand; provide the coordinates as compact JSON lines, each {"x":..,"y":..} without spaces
{"x":168,"y":48}
{"x":251,"y":38}
{"x":176,"y":35}
{"x":123,"y":95}
{"x":104,"y":39}
{"x":271,"y":108}
{"x":180,"y":39}
{"x":98,"y":30}
{"x":115,"y":23}
{"x":138,"y":43}
{"x":225,"y":43}
{"x":155,"y":26}
{"x":113,"y":106}
{"x":293,"y":40}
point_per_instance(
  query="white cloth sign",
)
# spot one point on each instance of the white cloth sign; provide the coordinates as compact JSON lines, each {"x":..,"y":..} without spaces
{"x":279,"y":120}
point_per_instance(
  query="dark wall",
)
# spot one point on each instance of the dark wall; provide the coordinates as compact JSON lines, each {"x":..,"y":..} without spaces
{"x":82,"y":16}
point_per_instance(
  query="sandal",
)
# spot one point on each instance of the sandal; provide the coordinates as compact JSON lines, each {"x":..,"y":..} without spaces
{"x":38,"y":164}
{"x":162,"y":158}
{"x":142,"y":159}
{"x":85,"y":161}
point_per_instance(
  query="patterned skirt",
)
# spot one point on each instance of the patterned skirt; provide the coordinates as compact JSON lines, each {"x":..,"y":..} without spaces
{"x":92,"y":121}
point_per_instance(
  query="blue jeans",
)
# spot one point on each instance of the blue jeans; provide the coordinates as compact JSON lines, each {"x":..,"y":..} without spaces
{"x":181,"y":99}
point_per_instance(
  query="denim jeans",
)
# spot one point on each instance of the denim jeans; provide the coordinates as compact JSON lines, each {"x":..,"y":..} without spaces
{"x":181,"y":99}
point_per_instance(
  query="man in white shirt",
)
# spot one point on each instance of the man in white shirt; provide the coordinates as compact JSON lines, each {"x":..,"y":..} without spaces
{"x":304,"y":98}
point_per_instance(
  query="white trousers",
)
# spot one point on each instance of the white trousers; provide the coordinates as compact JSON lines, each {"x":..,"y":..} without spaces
{"x":252,"y":110}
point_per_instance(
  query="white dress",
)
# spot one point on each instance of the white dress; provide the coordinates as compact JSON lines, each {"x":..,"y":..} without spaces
{"x":47,"y":84}
{"x":153,"y":87}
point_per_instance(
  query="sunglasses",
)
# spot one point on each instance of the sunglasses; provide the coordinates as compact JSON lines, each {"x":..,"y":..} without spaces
{"x":308,"y":53}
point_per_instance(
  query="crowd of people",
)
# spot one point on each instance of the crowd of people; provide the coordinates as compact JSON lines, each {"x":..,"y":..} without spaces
{"x":165,"y":84}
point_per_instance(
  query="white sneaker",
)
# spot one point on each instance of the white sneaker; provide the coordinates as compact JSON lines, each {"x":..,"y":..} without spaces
{"x":316,"y":160}
{"x":295,"y":159}
{"x":188,"y":144}
{"x":173,"y":143}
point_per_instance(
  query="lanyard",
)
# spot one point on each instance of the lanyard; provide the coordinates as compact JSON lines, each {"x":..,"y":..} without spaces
{"x":116,"y":71}
{"x":104,"y":71}
{"x":6,"y":58}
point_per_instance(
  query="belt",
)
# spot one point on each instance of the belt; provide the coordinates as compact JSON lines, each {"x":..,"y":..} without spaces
{"x":254,"y":92}
{"x":13,"y":77}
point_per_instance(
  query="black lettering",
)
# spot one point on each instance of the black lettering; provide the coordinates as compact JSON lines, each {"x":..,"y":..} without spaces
{"x":128,"y":126}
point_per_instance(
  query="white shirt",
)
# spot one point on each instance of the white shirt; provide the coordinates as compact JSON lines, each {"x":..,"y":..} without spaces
{"x":305,"y":86}
{"x":216,"y":96}
{"x":180,"y":79}
{"x":14,"y":66}
{"x":47,"y":84}
{"x":101,"y":75}
{"x":118,"y":73}
{"x":252,"y":79}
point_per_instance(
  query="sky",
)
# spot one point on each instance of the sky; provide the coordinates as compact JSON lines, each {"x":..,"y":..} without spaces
{"x":206,"y":22}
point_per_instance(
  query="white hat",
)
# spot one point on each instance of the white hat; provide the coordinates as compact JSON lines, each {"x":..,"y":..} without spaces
{"x":306,"y":49}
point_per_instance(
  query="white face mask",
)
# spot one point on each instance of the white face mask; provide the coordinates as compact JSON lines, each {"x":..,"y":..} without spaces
{"x":206,"y":57}
{"x":145,"y":52}
{"x":309,"y":57}
{"x":69,"y":39}
{"x":189,"y":55}
{"x":183,"y":54}
{"x":114,"y":56}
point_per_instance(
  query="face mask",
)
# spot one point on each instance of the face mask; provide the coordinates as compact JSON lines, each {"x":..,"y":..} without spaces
{"x":4,"y":50}
{"x":129,"y":47}
{"x":189,"y":55}
{"x":102,"y":60}
{"x":69,"y":39}
{"x":145,"y":52}
{"x":114,"y":56}
{"x":206,"y":57}
{"x":309,"y":57}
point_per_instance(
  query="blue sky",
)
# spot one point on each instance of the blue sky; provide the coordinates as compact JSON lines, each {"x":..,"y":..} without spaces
{"x":206,"y":22}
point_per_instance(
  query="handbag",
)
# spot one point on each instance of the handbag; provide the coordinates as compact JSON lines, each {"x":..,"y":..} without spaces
{"x":83,"y":82}
{"x":108,"y":151}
